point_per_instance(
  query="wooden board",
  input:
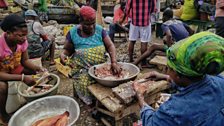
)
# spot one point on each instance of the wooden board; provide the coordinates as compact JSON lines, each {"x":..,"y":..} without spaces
{"x":106,"y":97}
{"x":113,"y":103}
{"x":159,"y":60}
{"x":126,"y":93}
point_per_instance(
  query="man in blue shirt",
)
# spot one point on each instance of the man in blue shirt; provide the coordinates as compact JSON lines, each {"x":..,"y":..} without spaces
{"x":174,"y":31}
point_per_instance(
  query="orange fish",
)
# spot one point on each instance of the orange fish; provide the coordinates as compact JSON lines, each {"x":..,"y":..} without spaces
{"x":51,"y":121}
{"x":64,"y":120}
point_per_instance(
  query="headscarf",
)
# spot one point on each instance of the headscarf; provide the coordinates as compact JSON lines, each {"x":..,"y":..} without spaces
{"x":88,"y":13}
{"x":11,"y":21}
{"x":192,"y":56}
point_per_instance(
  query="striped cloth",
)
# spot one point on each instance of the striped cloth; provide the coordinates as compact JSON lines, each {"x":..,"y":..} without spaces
{"x":139,"y":11}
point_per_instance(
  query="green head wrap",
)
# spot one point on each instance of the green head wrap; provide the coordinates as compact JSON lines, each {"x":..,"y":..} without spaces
{"x":192,"y":56}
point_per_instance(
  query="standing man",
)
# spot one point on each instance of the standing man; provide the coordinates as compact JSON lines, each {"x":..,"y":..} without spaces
{"x":140,"y":27}
{"x":219,"y":18}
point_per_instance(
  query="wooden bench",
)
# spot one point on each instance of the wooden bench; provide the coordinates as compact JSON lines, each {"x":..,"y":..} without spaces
{"x":109,"y":104}
{"x":160,"y":62}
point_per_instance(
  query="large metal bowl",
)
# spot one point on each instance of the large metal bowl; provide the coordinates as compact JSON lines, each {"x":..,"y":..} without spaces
{"x":45,"y":107}
{"x":52,"y":91}
{"x":134,"y":71}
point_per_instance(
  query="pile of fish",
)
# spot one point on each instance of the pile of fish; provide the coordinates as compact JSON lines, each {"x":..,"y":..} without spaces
{"x":42,"y":85}
{"x":163,"y":98}
{"x":58,"y":120}
{"x":106,"y":72}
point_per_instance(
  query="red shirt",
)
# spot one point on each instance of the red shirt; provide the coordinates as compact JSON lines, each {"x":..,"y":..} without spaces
{"x":140,"y":10}
{"x":118,"y":15}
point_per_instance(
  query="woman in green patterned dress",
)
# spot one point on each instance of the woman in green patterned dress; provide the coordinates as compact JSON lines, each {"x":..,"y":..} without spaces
{"x":87,"y":43}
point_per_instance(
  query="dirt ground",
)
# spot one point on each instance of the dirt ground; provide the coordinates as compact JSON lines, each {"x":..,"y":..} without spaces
{"x":66,"y":87}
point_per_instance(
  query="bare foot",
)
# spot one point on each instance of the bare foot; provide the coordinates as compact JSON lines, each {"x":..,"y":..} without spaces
{"x":52,"y":63}
{"x":147,"y":65}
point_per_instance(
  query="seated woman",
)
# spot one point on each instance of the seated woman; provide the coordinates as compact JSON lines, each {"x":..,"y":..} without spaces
{"x":14,"y":61}
{"x":88,"y":44}
{"x":194,"y":65}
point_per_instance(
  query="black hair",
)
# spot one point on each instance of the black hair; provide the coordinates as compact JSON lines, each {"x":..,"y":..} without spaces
{"x":168,"y":13}
{"x":212,"y":68}
{"x":17,"y":27}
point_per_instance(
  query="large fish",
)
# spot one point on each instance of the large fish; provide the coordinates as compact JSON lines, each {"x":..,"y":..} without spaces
{"x":52,"y":121}
{"x":64,"y":120}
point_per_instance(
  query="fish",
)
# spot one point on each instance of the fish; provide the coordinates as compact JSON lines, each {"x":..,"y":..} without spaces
{"x":52,"y":121}
{"x":64,"y":120}
{"x":105,"y":72}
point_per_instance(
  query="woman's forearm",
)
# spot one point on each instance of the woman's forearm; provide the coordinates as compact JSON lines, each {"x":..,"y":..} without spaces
{"x":112,"y":53}
{"x":141,"y":100}
{"x":30,"y":65}
{"x":10,"y":77}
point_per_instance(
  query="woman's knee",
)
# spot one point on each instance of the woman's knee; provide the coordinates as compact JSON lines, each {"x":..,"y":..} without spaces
{"x":157,"y":47}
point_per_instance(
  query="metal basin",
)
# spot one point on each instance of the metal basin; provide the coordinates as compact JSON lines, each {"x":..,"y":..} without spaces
{"x":45,"y":107}
{"x":52,"y":91}
{"x":134,"y":71}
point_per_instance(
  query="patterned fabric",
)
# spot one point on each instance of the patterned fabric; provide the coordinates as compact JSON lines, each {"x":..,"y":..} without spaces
{"x":140,"y":11}
{"x":89,"y":42}
{"x":192,"y":56}
{"x":87,"y":12}
{"x":88,"y":51}
{"x":35,"y":48}
{"x":10,"y":61}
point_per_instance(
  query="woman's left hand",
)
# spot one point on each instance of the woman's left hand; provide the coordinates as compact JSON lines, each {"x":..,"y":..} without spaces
{"x":140,"y":89}
{"x":116,"y":68}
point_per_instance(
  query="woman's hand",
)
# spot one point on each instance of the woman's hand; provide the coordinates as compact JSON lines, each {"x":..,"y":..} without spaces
{"x":116,"y":68}
{"x":63,"y":58}
{"x":29,"y":80}
{"x":140,"y":88}
{"x":154,"y":75}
